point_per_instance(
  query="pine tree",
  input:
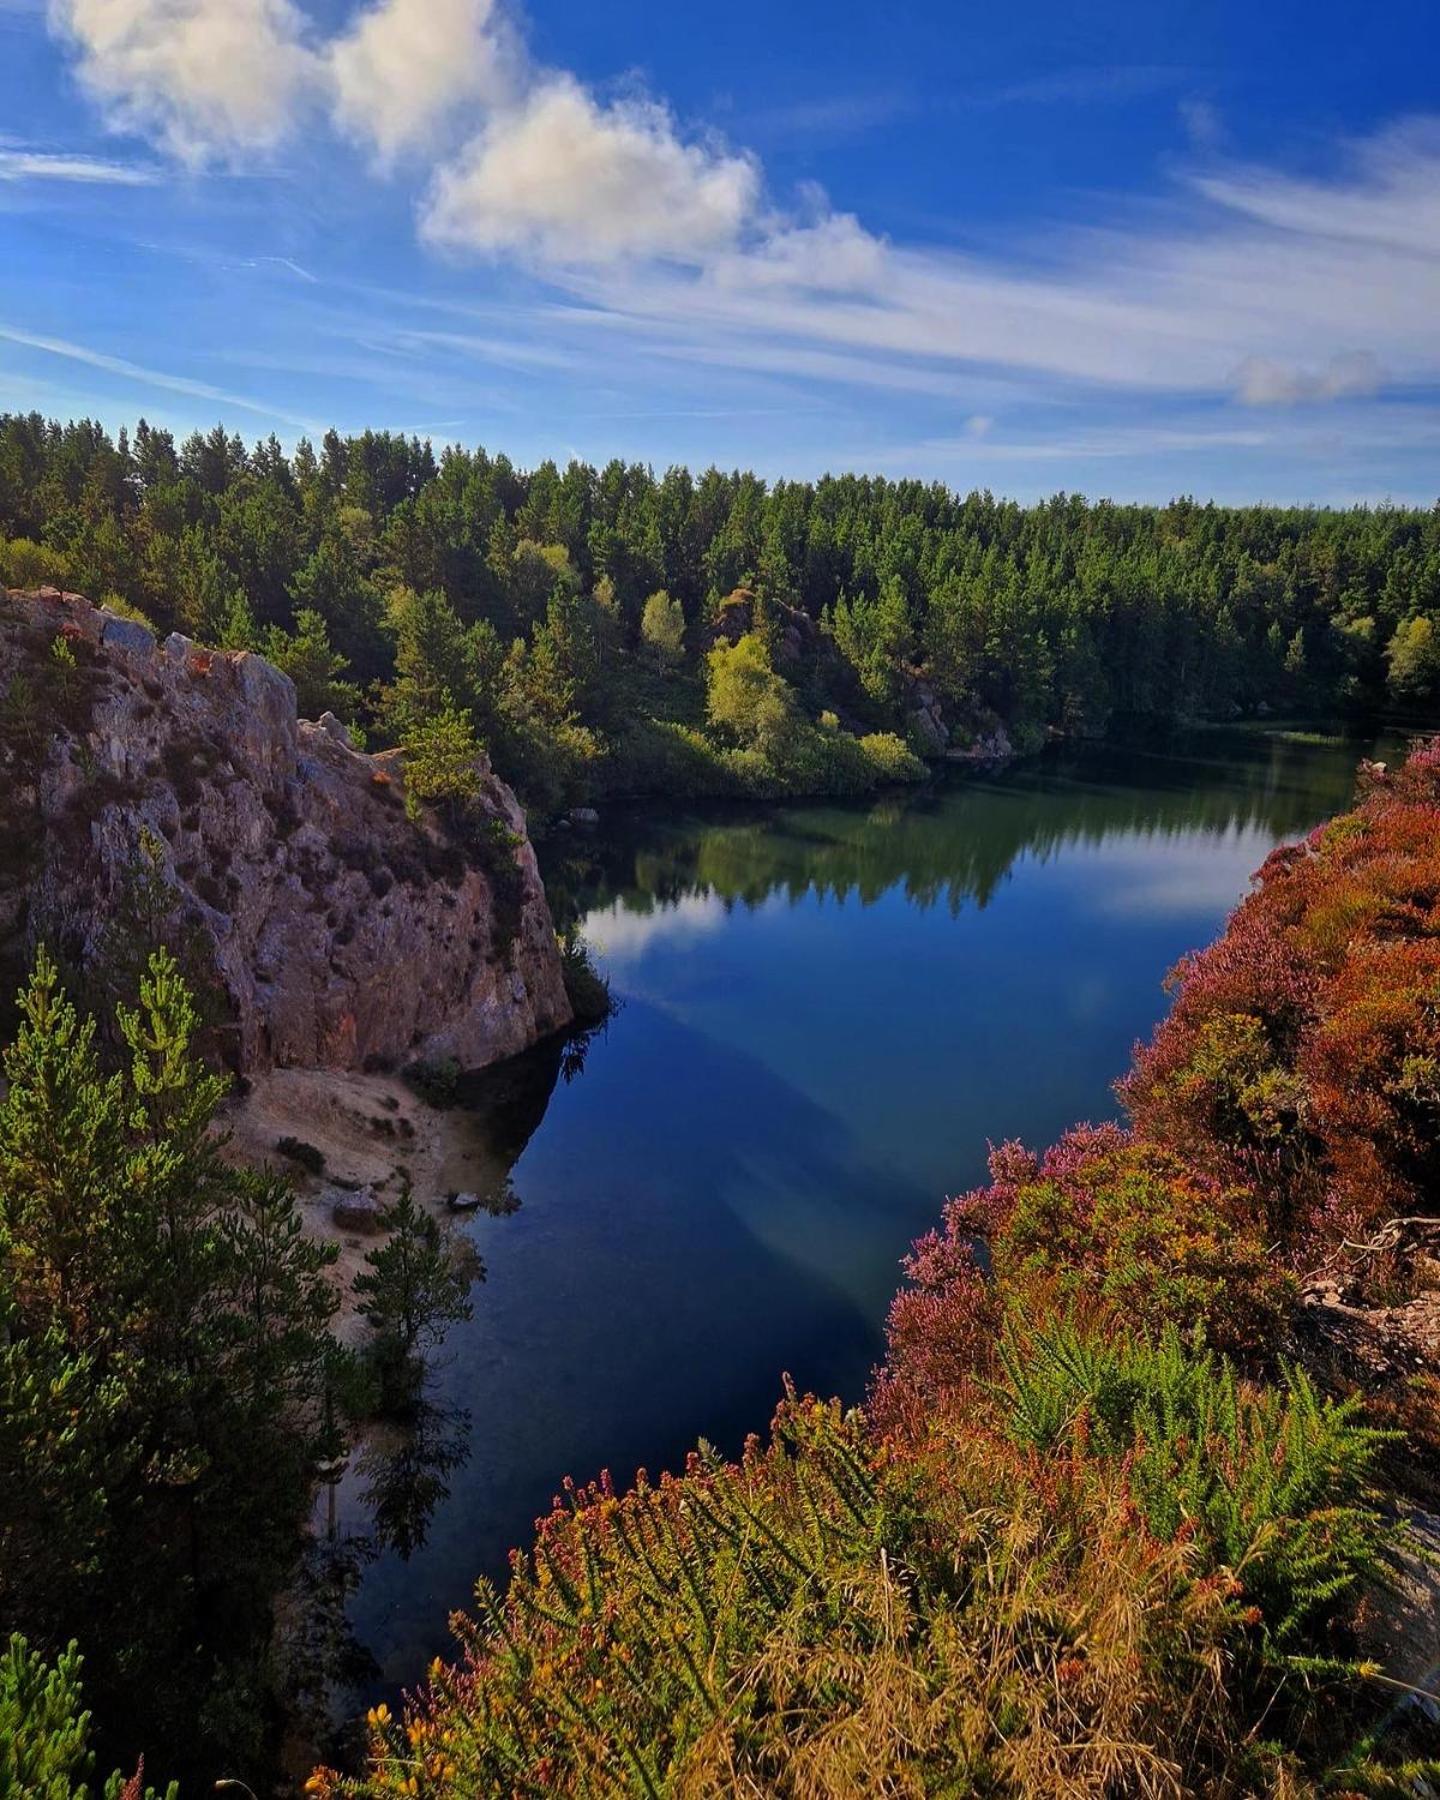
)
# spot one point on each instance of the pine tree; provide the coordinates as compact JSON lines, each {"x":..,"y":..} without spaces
{"x":164,"y":1359}
{"x":412,"y":1290}
{"x":45,"y":1749}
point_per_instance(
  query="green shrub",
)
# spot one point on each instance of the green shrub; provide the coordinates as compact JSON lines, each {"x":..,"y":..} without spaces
{"x":309,"y":1156}
{"x":891,"y":758}
{"x":442,"y":762}
{"x":435,"y":1079}
{"x":24,"y":564}
{"x":45,"y":1732}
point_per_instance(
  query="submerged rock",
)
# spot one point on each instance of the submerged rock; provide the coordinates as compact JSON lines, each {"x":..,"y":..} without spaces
{"x":341,"y":933}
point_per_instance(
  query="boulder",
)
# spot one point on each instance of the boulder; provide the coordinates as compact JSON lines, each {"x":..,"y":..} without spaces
{"x":359,"y":1211}
{"x":927,"y":733}
{"x":128,"y":635}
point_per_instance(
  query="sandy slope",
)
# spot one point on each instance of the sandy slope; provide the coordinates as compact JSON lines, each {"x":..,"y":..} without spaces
{"x":373,"y":1131}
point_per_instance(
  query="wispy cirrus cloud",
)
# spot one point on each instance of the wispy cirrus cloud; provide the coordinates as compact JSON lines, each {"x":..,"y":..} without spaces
{"x":146,"y":377}
{"x":1249,"y":285}
{"x":94,"y":171}
{"x":1085,"y":85}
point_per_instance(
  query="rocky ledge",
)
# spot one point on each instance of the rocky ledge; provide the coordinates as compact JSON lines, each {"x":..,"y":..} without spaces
{"x":343,"y":934}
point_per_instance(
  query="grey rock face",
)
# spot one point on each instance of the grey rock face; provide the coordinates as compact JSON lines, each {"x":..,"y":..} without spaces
{"x":127,"y":635}
{"x":341,"y":932}
{"x":928,"y":732}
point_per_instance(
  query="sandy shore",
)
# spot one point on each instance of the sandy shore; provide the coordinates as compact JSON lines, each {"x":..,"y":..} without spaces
{"x":373,"y":1133}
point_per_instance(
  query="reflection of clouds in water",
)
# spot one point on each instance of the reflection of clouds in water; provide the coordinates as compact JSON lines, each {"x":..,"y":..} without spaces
{"x":619,"y":935}
{"x":1087,"y":997}
{"x":1205,"y":874}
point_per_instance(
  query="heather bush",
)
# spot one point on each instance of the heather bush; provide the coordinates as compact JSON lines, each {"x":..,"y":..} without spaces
{"x":1102,"y":1222}
{"x":1302,"y":1051}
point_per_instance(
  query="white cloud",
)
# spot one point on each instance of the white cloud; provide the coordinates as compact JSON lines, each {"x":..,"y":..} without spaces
{"x":37,"y":165}
{"x":835,"y":255}
{"x":202,"y":77}
{"x":1262,"y":382}
{"x":563,"y":180}
{"x":401,"y":70}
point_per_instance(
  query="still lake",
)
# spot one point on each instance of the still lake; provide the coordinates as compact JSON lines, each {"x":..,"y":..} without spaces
{"x":826,"y":1012}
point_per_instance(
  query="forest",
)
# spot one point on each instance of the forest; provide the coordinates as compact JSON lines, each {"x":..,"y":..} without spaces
{"x":608,"y":631}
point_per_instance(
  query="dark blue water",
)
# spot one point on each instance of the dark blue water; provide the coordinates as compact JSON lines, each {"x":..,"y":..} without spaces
{"x":828,"y":1011}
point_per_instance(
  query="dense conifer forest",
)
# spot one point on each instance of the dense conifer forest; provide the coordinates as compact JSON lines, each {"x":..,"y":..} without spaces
{"x":603,"y":630}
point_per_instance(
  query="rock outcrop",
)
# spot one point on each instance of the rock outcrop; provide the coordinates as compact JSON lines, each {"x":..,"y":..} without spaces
{"x":342,"y":933}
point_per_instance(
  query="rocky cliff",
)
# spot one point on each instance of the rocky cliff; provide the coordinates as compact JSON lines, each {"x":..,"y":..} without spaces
{"x":341,"y":933}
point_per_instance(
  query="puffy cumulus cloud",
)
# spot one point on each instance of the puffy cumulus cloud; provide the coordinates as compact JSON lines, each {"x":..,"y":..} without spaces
{"x":401,"y":70}
{"x":1261,"y":381}
{"x":563,"y":180}
{"x":202,"y":77}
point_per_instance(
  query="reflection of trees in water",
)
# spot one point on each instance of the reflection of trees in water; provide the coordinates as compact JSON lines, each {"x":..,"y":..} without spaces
{"x":957,"y":840}
{"x":403,"y":1468}
{"x":322,"y":1658}
{"x":407,"y":1473}
{"x":406,"y":1467}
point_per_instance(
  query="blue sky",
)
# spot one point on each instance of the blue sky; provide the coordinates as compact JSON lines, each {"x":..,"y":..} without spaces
{"x":1120,"y":249}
